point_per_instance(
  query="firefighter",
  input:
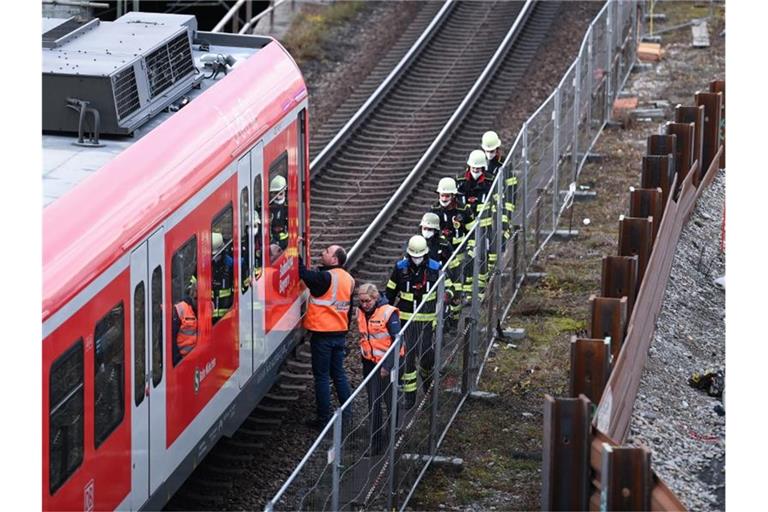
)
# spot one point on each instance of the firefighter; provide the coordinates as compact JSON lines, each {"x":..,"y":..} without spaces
{"x":222,"y":276}
{"x":491,"y":144}
{"x":440,"y":248}
{"x":475,"y":191}
{"x":278,"y":211}
{"x":184,"y":322}
{"x":413,"y":280}
{"x":328,"y":317}
{"x":378,"y":324}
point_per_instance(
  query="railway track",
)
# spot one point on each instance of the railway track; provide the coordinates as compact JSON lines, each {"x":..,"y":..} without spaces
{"x":352,"y":182}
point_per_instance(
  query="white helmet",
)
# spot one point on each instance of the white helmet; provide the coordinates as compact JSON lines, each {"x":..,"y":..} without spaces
{"x":417,"y":246}
{"x":278,"y":184}
{"x":447,"y":186}
{"x":430,"y":220}
{"x":477,"y":159}
{"x":491,"y":141}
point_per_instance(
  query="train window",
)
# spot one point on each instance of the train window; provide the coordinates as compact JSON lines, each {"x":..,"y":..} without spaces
{"x":65,"y":415}
{"x":222,"y":264}
{"x":258,"y":233}
{"x":109,"y":373}
{"x":245,"y":219}
{"x":278,"y":206}
{"x":184,"y":290}
{"x":139,"y":343}
{"x":157,"y":326}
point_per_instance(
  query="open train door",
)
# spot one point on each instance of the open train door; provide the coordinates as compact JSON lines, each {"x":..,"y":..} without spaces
{"x":250,"y":238}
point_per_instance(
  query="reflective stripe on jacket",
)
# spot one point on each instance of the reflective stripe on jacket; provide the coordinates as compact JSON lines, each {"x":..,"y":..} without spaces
{"x":375,"y":339}
{"x":330,"y":312}
{"x":187,"y":336}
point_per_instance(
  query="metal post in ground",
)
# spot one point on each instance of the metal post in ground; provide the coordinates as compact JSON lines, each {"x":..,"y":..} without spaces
{"x":475,"y":310}
{"x":609,"y":64}
{"x":524,"y":216}
{"x":501,"y":213}
{"x":437,"y":365}
{"x":393,"y":418}
{"x":590,"y":89}
{"x":336,"y":464}
{"x":556,"y":158}
{"x":576,"y":116}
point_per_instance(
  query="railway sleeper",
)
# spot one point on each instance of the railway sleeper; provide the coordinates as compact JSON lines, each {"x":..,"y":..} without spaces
{"x":271,"y":409}
{"x":292,"y":387}
{"x":299,"y":364}
{"x":296,"y":376}
{"x":243,"y":445}
{"x":282,"y":398}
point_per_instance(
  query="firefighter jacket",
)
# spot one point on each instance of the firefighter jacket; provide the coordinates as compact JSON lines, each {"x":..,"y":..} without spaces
{"x":494,"y":164}
{"x":410,"y":284}
{"x":440,"y":249}
{"x":378,"y":329}
{"x":278,"y":224}
{"x":473,"y":192}
{"x":454,"y":219}
{"x":222,"y":285}
{"x":184,"y":327}
{"x":510,"y":189}
{"x":329,"y":311}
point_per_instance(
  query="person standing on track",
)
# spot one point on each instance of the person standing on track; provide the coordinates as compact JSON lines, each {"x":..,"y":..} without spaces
{"x":378,"y":324}
{"x":328,"y":318}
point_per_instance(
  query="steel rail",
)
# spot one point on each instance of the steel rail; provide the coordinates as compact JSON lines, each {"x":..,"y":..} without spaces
{"x":381,"y":91}
{"x":385,"y":214}
{"x":228,"y":16}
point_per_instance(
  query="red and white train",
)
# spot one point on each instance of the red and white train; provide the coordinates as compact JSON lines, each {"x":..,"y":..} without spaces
{"x":132,"y":220}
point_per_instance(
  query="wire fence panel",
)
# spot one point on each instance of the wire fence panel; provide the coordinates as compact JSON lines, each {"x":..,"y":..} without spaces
{"x":381,"y":441}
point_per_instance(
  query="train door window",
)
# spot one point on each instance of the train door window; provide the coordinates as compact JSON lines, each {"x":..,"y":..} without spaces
{"x":258,"y":232}
{"x":109,"y":373}
{"x":157,"y":326}
{"x":139,"y":344}
{"x":278,"y":207}
{"x":301,"y":139}
{"x":65,"y":415}
{"x":185,"y":311}
{"x":245,"y":229}
{"x":222,"y":264}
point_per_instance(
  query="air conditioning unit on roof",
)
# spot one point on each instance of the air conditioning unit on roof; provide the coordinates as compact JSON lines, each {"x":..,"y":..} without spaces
{"x":127,"y":70}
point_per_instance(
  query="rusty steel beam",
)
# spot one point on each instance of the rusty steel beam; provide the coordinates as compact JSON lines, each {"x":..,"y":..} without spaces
{"x":636,"y":239}
{"x":647,"y":202}
{"x":566,"y":454}
{"x":719,"y":86}
{"x":713,"y":104}
{"x":684,"y":152}
{"x":609,"y":320}
{"x":658,"y":171}
{"x":694,"y":115}
{"x":590,"y":367}
{"x":619,"y":278}
{"x":626,"y":481}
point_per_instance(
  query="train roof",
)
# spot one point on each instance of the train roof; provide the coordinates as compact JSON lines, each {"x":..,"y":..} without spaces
{"x":100,"y":201}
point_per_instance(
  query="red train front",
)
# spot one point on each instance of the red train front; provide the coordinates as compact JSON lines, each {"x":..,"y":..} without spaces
{"x":190,"y":200}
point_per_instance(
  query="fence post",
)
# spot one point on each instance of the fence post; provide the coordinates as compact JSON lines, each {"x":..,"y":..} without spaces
{"x":438,"y":354}
{"x":474,"y":334}
{"x":576,"y":116}
{"x":626,"y":480}
{"x":556,"y":158}
{"x":336,"y":459}
{"x":501,"y":212}
{"x":590,"y":79}
{"x":609,"y":61}
{"x":524,"y":216}
{"x":394,"y":377}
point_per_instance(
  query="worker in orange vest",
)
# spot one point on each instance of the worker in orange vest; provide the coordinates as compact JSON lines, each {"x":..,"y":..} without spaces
{"x":328,"y":317}
{"x":184,"y":323}
{"x":378,"y":323}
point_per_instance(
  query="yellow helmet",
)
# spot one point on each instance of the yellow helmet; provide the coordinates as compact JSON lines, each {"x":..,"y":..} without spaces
{"x":278,"y":184}
{"x":491,"y":141}
{"x":477,"y":159}
{"x":417,"y":246}
{"x":447,"y":186}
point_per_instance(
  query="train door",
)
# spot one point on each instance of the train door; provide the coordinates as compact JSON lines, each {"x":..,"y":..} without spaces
{"x":251,"y":313}
{"x":158,"y":359}
{"x":139,"y":379}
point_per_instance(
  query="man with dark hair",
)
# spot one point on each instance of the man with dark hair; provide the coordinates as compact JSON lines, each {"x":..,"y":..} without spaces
{"x":329,"y":315}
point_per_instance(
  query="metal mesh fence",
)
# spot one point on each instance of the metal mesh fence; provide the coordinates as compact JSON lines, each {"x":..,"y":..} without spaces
{"x":381,"y":441}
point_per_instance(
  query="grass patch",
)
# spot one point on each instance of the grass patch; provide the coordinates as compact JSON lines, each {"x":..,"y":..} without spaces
{"x":310,"y":28}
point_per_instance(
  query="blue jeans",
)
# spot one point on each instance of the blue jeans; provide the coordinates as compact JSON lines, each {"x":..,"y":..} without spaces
{"x":328,"y":363}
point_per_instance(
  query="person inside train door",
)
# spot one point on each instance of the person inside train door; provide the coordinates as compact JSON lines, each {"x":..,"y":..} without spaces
{"x":278,"y":211}
{"x":222,"y":271}
{"x":184,"y":322}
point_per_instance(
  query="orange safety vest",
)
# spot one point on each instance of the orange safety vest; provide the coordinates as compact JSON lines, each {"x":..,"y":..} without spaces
{"x":330,"y":312}
{"x":374,"y":336}
{"x":187,"y":336}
